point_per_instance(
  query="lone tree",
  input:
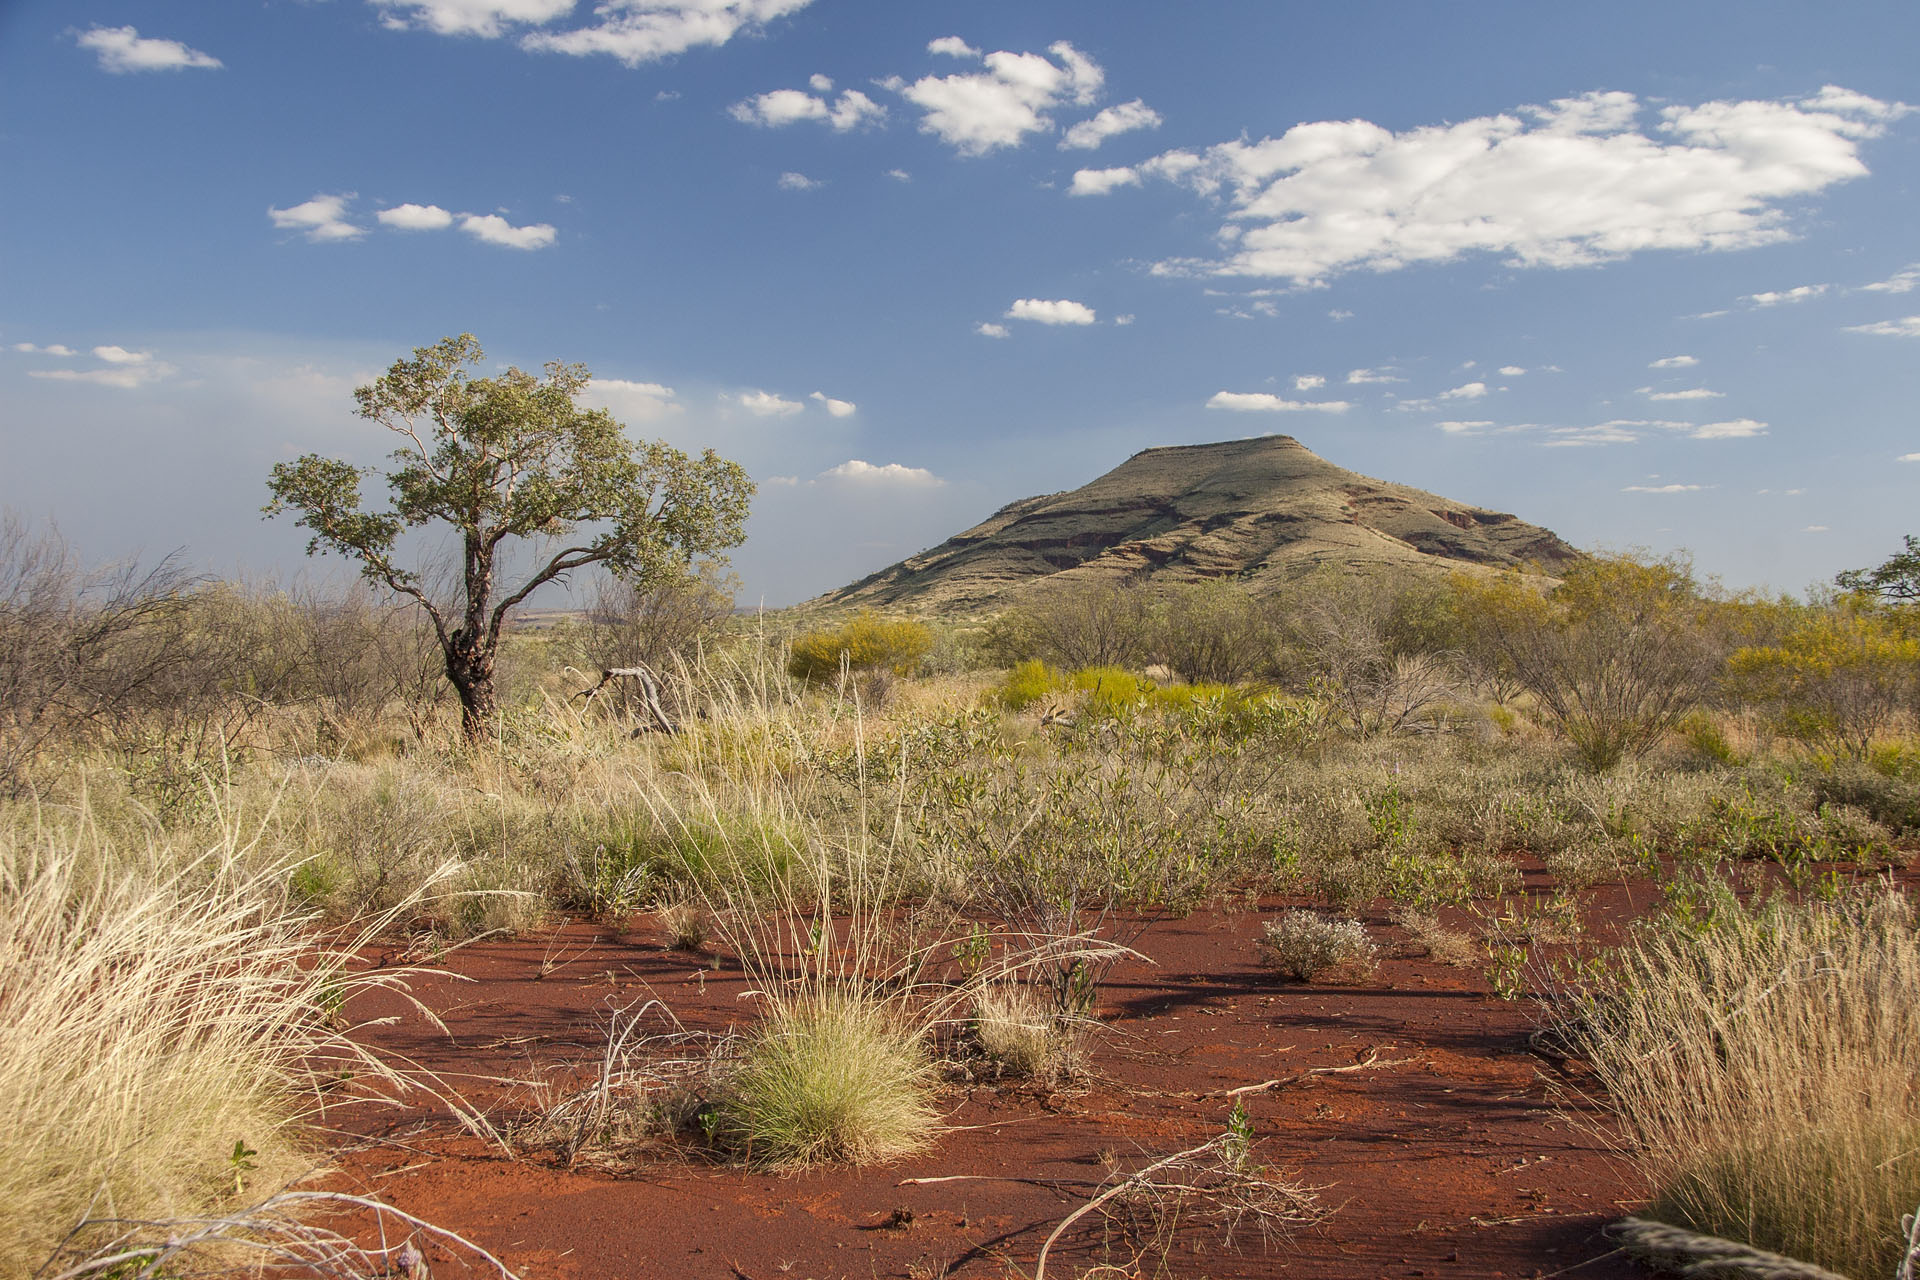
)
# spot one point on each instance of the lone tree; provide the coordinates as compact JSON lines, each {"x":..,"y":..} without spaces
{"x":505,"y":459}
{"x":1897,"y":581}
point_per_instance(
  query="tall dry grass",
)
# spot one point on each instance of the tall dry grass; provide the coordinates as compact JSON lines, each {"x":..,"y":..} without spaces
{"x":169,"y":1031}
{"x":1765,"y":1068}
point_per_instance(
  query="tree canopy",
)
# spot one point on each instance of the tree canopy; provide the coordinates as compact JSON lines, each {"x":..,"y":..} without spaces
{"x":500,"y":461}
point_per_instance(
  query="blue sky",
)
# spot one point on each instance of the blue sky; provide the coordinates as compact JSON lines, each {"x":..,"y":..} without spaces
{"x":1643,"y":273}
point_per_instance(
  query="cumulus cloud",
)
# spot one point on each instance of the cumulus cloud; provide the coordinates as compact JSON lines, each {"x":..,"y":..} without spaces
{"x":1124,"y":118}
{"x":1457,"y":427}
{"x":1011,"y":97}
{"x":1512,"y":371}
{"x":631,"y":401}
{"x":124,"y":49}
{"x":838,"y":408}
{"x":765,"y":404}
{"x":633,"y":31}
{"x":988,"y":329}
{"x":791,"y":181}
{"x":1663,"y":488}
{"x":1908,"y":457}
{"x":1909,"y":327}
{"x":952,"y":47}
{"x":1308,"y":382}
{"x":1691,"y":393}
{"x":1775,"y":298}
{"x":1899,"y":282}
{"x":1674,"y":362}
{"x":1057,"y":311}
{"x":1465,"y":391}
{"x":891,"y":473}
{"x":1098,"y":182}
{"x":321,"y":219}
{"x":1579,"y":181}
{"x":491,"y":228}
{"x":415,"y":217}
{"x":1266,"y":402}
{"x":783,"y":107}
{"x":900,"y":175}
{"x":1360,"y":377}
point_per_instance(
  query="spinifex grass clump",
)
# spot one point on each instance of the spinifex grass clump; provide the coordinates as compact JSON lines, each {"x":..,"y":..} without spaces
{"x":1762,"y":1062}
{"x":166,"y":1028}
{"x":831,"y":1077}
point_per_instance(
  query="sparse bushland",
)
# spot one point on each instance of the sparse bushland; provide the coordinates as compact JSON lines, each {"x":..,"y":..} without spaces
{"x":1761,"y":1060}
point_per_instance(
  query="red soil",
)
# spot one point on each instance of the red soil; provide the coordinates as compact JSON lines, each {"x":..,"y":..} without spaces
{"x":1471,"y":1158}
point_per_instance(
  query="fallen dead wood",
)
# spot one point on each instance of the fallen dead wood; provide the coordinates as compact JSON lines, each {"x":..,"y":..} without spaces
{"x":1372,"y":1060}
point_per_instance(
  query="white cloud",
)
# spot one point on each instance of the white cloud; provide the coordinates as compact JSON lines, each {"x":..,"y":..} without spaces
{"x":765,"y":404}
{"x":631,"y":401}
{"x":819,"y":83}
{"x":999,"y":106}
{"x":56,"y":349}
{"x":1124,"y":320}
{"x":785,"y":482}
{"x":791,"y":181}
{"x":1457,"y":427}
{"x":1674,"y":362}
{"x":1308,"y":382}
{"x":1512,"y":371}
{"x":1568,"y":184}
{"x":633,"y":31}
{"x":1775,"y":298}
{"x":322,"y":219}
{"x":1360,"y":377}
{"x":124,"y":49}
{"x":1265,"y":402}
{"x":1737,"y":429}
{"x":1908,"y":457}
{"x":988,"y":329}
{"x":888,"y":473}
{"x":1691,"y":393}
{"x":783,"y":107}
{"x":1337,"y":314}
{"x":1098,"y":182}
{"x":1058,"y":311}
{"x":1466,"y":391}
{"x":415,"y":217}
{"x":1124,"y":118}
{"x":838,"y":408}
{"x":952,"y":47}
{"x":1663,"y":488}
{"x":900,"y":175}
{"x":125,"y":369}
{"x":487,"y":18}
{"x":1905,"y":328}
{"x":1604,"y":433}
{"x":1816,"y":528}
{"x":494,"y":229}
{"x":1901,"y":281}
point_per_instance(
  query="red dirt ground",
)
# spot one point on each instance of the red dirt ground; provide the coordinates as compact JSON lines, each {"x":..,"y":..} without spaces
{"x":1471,"y":1158}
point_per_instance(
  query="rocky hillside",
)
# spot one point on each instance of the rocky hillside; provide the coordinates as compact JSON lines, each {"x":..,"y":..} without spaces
{"x":1261,"y":510}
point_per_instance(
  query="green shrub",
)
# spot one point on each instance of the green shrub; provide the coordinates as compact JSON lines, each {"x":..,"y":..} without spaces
{"x":864,"y":642}
{"x":1029,"y":682}
{"x":1112,"y":691}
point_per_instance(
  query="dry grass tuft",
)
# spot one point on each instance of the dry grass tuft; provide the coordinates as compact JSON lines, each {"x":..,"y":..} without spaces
{"x":1019,"y":1030}
{"x":1762,"y":1063}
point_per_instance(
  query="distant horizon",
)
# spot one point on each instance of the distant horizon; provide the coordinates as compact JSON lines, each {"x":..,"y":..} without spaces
{"x":1646,"y":276}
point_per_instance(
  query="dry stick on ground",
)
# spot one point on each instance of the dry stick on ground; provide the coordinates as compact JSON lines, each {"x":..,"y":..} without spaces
{"x":649,"y":696}
{"x":272,"y":1228}
{"x":1299,"y":1205}
{"x":1373,"y":1059}
{"x":1699,"y":1257}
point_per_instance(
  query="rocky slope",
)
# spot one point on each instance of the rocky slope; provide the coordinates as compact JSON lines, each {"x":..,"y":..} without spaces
{"x":1261,"y":510}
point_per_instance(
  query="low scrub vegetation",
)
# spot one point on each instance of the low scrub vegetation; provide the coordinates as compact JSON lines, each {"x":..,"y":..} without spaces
{"x":942,"y":879}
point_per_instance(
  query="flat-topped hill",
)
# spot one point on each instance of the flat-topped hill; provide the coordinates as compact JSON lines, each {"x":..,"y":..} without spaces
{"x":1261,"y":510}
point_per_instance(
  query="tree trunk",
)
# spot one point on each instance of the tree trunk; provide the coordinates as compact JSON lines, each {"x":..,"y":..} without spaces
{"x":470,"y":668}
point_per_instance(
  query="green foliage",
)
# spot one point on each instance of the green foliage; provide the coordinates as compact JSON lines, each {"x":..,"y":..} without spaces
{"x":1111,"y":691}
{"x":1897,"y":578}
{"x":1029,"y":682}
{"x":1838,"y":679}
{"x":865,"y":642}
{"x":508,"y":459}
